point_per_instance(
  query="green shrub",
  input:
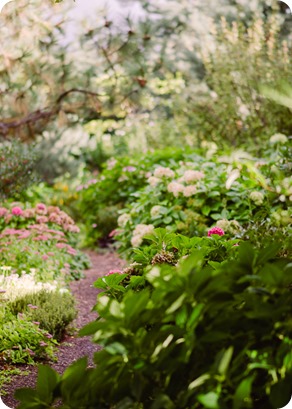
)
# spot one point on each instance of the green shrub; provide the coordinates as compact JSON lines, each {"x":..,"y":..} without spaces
{"x":242,"y":61}
{"x":22,"y":341}
{"x":17,"y":164}
{"x":55,"y":310}
{"x":204,"y":337}
{"x":232,"y":190}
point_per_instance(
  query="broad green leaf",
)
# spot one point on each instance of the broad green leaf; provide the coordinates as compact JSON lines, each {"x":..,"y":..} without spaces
{"x":242,"y":394}
{"x":209,"y":400}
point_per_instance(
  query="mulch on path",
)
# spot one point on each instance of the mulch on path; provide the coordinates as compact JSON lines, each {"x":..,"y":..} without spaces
{"x":72,"y":347}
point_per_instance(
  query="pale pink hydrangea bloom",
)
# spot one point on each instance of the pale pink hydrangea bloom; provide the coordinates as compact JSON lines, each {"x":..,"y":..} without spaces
{"x":3,"y":211}
{"x":41,"y":208}
{"x":42,"y":219}
{"x":175,"y":188}
{"x":189,"y":190}
{"x":163,"y":172}
{"x":192,"y":176}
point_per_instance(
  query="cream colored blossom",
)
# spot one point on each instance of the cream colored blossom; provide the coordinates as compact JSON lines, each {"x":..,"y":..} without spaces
{"x":155,"y":211}
{"x":189,"y":190}
{"x":123,"y":219}
{"x":257,"y":198}
{"x":153,"y":181}
{"x":163,"y":172}
{"x":136,"y":241}
{"x":139,"y":232}
{"x":278,"y":138}
{"x":223,"y":224}
{"x":175,"y":188}
{"x":192,"y":176}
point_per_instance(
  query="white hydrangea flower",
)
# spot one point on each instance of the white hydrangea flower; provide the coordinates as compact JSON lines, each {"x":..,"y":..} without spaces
{"x":278,"y":138}
{"x":175,"y":188}
{"x":153,"y":181}
{"x":223,"y":224}
{"x":123,"y":219}
{"x":163,"y":172}
{"x":192,"y":176}
{"x":257,"y":198}
{"x":136,"y":241}
{"x":155,"y":211}
{"x":189,"y":190}
{"x":139,"y":232}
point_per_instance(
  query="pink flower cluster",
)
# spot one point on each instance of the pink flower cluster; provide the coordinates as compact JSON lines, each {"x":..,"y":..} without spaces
{"x":114,"y":272}
{"x":42,"y":215}
{"x":216,"y":230}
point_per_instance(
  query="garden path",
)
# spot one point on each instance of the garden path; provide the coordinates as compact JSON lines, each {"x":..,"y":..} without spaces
{"x":72,"y":347}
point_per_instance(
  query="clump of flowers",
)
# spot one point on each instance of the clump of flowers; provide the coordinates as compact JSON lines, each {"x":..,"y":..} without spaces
{"x":192,"y":176}
{"x":16,"y":286}
{"x":229,"y":226}
{"x":123,"y":219}
{"x":189,"y":190}
{"x":16,"y":211}
{"x":155,"y":211}
{"x":278,"y":138}
{"x":175,"y":188}
{"x":153,"y":181}
{"x":216,"y":230}
{"x":139,"y":232}
{"x":41,"y":214}
{"x":257,"y":198}
{"x":161,"y":172}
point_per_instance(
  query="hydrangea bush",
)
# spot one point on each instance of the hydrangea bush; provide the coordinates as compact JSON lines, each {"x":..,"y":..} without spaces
{"x":229,"y":192}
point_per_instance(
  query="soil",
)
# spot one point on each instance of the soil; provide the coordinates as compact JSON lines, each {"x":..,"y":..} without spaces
{"x":72,"y":347}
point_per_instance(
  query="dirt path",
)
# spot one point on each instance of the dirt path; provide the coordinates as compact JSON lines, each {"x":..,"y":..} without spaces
{"x":72,"y":348}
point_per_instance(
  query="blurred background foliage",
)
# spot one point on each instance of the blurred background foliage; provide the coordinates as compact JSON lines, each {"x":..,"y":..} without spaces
{"x":180,"y":73}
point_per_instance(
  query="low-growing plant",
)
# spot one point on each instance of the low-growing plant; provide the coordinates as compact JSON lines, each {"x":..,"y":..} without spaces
{"x":22,"y":341}
{"x":203,"y":337}
{"x":53,"y":310}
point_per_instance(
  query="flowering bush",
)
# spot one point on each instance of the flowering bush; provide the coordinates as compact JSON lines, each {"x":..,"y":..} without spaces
{"x":229,"y":193}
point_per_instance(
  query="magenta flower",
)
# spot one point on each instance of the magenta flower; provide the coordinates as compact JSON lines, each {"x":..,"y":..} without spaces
{"x":45,"y":257}
{"x":17,"y":211}
{"x":49,"y":336}
{"x":216,"y":230}
{"x":36,"y":322}
{"x":43,"y":344}
{"x":114,"y":272}
{"x":33,"y":307}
